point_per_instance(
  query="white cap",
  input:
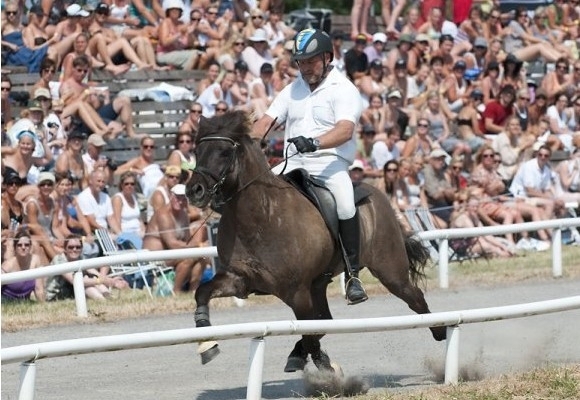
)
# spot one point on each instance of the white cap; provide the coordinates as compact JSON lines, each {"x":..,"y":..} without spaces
{"x":75,"y":10}
{"x":380,"y":37}
{"x":357,"y":164}
{"x":169,"y":4}
{"x":178,"y":189}
{"x":259,"y":36}
{"x":437,"y":153}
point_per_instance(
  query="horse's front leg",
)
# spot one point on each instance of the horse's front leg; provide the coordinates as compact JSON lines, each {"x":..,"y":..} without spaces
{"x":222,"y":285}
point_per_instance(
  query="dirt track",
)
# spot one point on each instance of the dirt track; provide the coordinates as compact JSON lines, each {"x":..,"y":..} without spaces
{"x":388,"y":361}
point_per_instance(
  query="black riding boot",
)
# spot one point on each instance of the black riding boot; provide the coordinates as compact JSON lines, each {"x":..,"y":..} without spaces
{"x":350,"y":236}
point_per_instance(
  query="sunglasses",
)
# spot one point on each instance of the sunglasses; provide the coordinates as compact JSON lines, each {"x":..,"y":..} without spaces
{"x":239,"y":43}
{"x":195,"y":111}
{"x":6,"y":89}
{"x":11,"y":12}
{"x":456,"y":168}
{"x":73,"y":247}
{"x":23,"y":245}
{"x":392,"y":169}
{"x":46,"y":184}
{"x":257,"y":17}
{"x":184,"y":141}
{"x":148,"y":146}
{"x":211,"y":12}
{"x":524,"y":98}
{"x":81,"y":70}
{"x":488,"y":155}
{"x":195,"y":19}
{"x":128,"y":183}
{"x":423,"y":125}
{"x":221,"y":109}
{"x":13,"y":184}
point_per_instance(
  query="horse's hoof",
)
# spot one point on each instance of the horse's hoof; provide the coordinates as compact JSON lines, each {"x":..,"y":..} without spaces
{"x":295,"y":364}
{"x":337,"y":369}
{"x":208,"y":351}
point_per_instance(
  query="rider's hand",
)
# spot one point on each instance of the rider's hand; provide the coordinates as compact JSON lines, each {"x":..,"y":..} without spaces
{"x":303,"y":144}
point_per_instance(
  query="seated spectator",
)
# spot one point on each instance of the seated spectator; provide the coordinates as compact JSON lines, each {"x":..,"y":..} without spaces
{"x":231,"y":52}
{"x":468,"y":122}
{"x":456,"y":174}
{"x":148,"y":171}
{"x":396,"y":190}
{"x":41,"y":216}
{"x":491,"y":83}
{"x":240,"y":89}
{"x":12,"y":210}
{"x":385,"y":148}
{"x":372,"y":83}
{"x":60,"y":287}
{"x":261,"y":90}
{"x":558,"y":82}
{"x":568,"y":182}
{"x":374,"y":115}
{"x":183,"y":156}
{"x":93,"y":159}
{"x":47,"y":71}
{"x":126,"y":210}
{"x":96,"y":205}
{"x":71,"y":160}
{"x":169,"y":229}
{"x":278,"y":33}
{"x":221,"y":107}
{"x":562,"y":123}
{"x":497,"y":111}
{"x":257,"y":52}
{"x":211,"y":75}
{"x":23,"y":259}
{"x":174,"y":47}
{"x":420,"y":143}
{"x":190,"y":124}
{"x":256,"y":20}
{"x":283,"y":74}
{"x":219,"y":91}
{"x":512,"y":145}
{"x":533,"y":183}
{"x":440,"y":194}
{"x":149,"y":14}
{"x":365,"y":142}
{"x":208,"y":34}
{"x":411,"y":172}
{"x":489,"y":245}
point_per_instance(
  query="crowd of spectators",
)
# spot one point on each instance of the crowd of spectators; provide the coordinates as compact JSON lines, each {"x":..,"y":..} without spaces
{"x":453,"y":116}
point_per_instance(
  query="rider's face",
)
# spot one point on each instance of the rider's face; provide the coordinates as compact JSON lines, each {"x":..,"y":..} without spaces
{"x":312,"y":69}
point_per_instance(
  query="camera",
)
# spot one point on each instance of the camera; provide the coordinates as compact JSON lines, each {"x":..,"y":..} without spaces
{"x":112,"y":164}
{"x":52,"y":125}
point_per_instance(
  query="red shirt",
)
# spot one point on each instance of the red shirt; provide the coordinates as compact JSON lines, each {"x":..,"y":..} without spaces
{"x":498,"y":113}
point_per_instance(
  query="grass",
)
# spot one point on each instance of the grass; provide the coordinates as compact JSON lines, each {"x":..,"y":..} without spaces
{"x":132,"y":304}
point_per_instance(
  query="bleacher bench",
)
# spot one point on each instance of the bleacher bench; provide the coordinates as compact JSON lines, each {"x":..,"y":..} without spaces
{"x":124,"y":149}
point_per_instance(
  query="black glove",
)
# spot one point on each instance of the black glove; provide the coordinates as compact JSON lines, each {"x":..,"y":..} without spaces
{"x":303,"y":144}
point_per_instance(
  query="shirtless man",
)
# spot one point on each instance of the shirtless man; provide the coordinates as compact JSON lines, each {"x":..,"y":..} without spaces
{"x":79,"y":97}
{"x":169,"y":229}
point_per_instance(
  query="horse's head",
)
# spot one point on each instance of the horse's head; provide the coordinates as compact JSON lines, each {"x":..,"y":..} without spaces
{"x":223,"y":148}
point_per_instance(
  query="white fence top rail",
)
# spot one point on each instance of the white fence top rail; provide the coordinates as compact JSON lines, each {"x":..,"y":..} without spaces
{"x":456,"y":233}
{"x":278,"y":328}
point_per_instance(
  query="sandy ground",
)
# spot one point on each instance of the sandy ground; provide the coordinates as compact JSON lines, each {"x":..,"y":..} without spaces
{"x":393,"y":361}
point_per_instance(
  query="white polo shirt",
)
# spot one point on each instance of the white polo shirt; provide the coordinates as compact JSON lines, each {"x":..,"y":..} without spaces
{"x":312,"y":114}
{"x":101,"y":209}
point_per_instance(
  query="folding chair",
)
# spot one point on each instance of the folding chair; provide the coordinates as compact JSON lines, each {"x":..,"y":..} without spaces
{"x":413,"y":218}
{"x":133,"y":270}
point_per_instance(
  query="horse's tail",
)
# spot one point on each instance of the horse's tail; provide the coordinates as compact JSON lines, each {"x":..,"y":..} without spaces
{"x":418,"y":256}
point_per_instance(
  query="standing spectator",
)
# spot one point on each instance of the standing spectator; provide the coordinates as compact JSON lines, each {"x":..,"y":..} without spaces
{"x":359,"y":15}
{"x":169,"y":229}
{"x":533,"y":183}
{"x":355,"y":60}
{"x":440,"y":194}
{"x":96,"y":205}
{"x":22,"y":260}
{"x":126,"y":210}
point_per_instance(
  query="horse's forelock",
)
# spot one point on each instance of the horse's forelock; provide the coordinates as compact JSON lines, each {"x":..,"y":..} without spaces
{"x":234,"y":125}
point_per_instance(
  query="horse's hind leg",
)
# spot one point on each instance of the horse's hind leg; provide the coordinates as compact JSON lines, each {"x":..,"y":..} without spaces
{"x":222,"y":285}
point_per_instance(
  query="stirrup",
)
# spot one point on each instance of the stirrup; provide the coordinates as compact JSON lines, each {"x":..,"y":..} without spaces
{"x":359,"y":295}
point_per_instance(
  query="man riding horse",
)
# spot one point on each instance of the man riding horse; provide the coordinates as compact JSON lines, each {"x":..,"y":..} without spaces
{"x":320,"y":110}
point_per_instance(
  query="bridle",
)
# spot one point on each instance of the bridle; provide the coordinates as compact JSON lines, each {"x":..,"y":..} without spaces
{"x":221,"y":178}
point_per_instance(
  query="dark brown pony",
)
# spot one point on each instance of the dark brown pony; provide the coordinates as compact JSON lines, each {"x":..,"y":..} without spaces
{"x":272,"y":240}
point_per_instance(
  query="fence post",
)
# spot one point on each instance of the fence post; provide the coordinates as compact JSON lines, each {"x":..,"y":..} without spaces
{"x":444,"y":263}
{"x":257,"y":351}
{"x":27,"y":380}
{"x":80,"y":298}
{"x":452,"y":355}
{"x":557,"y":253}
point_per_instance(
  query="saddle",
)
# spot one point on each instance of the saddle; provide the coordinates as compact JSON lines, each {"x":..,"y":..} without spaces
{"x":319,"y":195}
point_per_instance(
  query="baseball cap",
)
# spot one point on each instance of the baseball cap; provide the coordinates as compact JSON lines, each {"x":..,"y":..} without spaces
{"x":266,"y":68}
{"x":405,"y":38}
{"x":361,"y":38}
{"x":37,"y":10}
{"x":102,"y":8}
{"x":259,"y":36}
{"x":459,"y":64}
{"x":77,"y":134}
{"x":42,"y":92}
{"x":173,"y":170}
{"x":480,"y":42}
{"x":376,"y":63}
{"x":422,"y":37}
{"x":179,"y":189}
{"x":437,"y":153}
{"x":96,"y":140}
{"x":357,"y":164}
{"x":368,"y":128}
{"x":380,"y":37}
{"x":75,"y":10}
{"x":476,"y":94}
{"x":241,"y":65}
{"x":401,"y":63}
{"x":34,"y":105}
{"x":395,"y":93}
{"x":46,"y":176}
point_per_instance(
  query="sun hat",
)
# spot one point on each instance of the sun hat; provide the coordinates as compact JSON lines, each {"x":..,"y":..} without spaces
{"x":46,"y":176}
{"x":259,"y":36}
{"x":437,"y":153}
{"x":173,"y":170}
{"x":179,"y":189}
{"x":380,"y":37}
{"x":42,"y":92}
{"x":75,"y":10}
{"x":357,"y":164}
{"x":96,"y":140}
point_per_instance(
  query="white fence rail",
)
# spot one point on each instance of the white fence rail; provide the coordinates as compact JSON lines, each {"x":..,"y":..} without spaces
{"x":29,"y":354}
{"x":442,"y":235}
